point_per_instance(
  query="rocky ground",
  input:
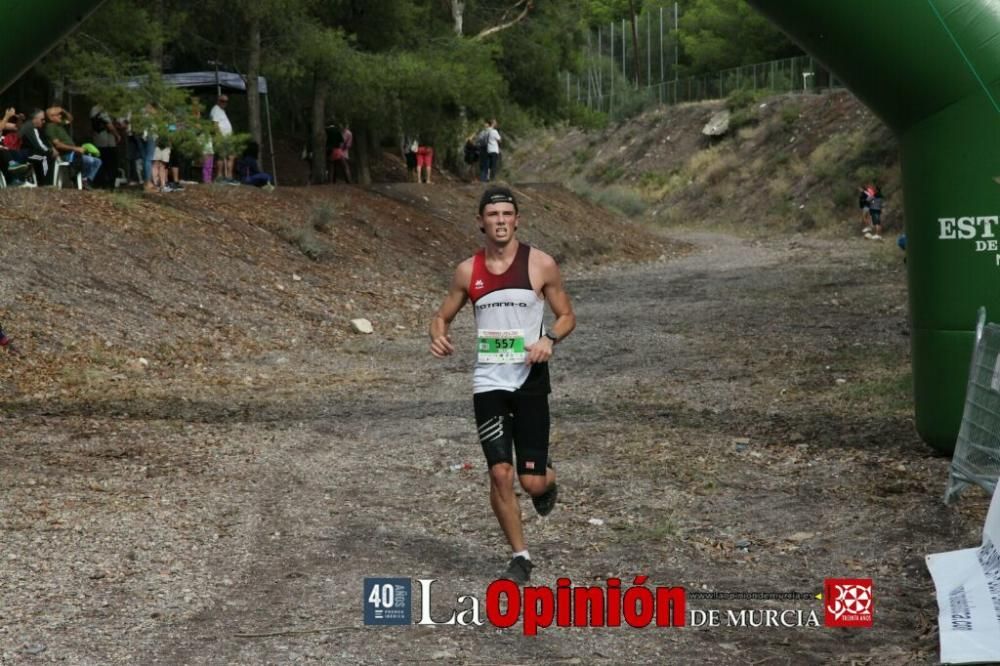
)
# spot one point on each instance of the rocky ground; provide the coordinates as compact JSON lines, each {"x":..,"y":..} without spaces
{"x":731,"y":415}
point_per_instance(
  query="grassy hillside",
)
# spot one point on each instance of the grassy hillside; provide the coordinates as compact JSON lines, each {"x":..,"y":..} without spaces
{"x":216,"y":276}
{"x":788,"y":163}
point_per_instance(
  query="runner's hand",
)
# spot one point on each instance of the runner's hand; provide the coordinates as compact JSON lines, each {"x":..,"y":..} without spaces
{"x":441,"y":346}
{"x":540,"y":352}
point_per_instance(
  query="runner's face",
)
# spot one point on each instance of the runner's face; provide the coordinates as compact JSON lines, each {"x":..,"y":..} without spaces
{"x":499,"y":222}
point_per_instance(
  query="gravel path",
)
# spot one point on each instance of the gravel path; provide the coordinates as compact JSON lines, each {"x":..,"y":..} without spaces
{"x":697,"y":414}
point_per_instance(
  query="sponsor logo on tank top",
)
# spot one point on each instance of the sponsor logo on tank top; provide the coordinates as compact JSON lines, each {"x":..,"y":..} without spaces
{"x":479,"y":284}
{"x":483,"y":306}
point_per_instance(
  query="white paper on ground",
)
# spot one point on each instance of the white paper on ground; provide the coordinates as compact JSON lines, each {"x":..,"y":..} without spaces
{"x":968,"y":596}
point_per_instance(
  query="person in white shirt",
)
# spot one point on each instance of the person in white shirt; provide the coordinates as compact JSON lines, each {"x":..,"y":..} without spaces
{"x":223,"y":165}
{"x":491,"y":164}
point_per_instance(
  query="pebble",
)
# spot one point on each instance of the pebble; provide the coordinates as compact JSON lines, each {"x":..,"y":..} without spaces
{"x":743,"y":544}
{"x":595,"y":521}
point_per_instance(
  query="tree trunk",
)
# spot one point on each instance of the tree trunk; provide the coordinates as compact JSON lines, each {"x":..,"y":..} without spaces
{"x":317,"y":172}
{"x":156,"y":44}
{"x":457,"y":14}
{"x":253,"y":91}
{"x":635,"y":42}
{"x":362,"y":152}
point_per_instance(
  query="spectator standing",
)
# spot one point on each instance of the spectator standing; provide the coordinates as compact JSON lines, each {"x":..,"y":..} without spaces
{"x":493,"y":149}
{"x":470,"y":155}
{"x":340,"y":154}
{"x":425,"y":160}
{"x":863,"y":207}
{"x":348,"y":144}
{"x":106,"y":138}
{"x":410,"y":146}
{"x":148,"y":146}
{"x":482,"y":143}
{"x":334,"y":141}
{"x":224,"y":165}
{"x":875,"y":205}
{"x":59,"y":120}
{"x":161,"y":158}
{"x":207,"y":158}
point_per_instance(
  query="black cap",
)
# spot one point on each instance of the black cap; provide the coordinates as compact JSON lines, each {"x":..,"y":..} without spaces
{"x":494,"y":195}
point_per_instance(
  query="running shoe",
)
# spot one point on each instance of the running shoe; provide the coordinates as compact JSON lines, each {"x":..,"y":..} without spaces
{"x":519,"y":570}
{"x":545,"y":502}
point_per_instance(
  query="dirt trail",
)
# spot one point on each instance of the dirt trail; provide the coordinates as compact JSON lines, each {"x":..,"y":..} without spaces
{"x":696,"y":410}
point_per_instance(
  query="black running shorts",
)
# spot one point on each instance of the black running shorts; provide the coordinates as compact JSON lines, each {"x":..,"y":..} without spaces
{"x":510,"y":421}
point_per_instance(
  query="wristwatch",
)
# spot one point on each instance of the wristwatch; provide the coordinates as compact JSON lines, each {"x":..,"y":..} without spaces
{"x":552,"y":337}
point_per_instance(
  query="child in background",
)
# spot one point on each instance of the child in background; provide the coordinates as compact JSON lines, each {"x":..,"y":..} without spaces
{"x":875,"y":205}
{"x":207,"y":158}
{"x":161,"y":156}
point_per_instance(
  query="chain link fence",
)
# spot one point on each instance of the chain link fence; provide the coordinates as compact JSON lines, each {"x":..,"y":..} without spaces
{"x":977,"y":449}
{"x":603,"y":87}
{"x":627,"y":67}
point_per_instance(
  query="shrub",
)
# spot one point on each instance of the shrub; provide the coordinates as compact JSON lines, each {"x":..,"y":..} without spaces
{"x":305,"y":240}
{"x":586,"y":118}
{"x":790,"y":114}
{"x":742,"y":118}
{"x":322,"y":217}
{"x":740,"y":99}
{"x":584,"y":156}
{"x":622,"y":199}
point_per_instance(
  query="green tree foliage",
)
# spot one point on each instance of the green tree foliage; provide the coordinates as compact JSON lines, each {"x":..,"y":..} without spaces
{"x":719,"y":34}
{"x":392,"y":66}
{"x":535,"y":53}
{"x":603,"y":12}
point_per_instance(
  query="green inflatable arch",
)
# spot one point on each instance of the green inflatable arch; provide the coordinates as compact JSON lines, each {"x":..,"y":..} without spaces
{"x":930,"y":69}
{"x":33,"y":32}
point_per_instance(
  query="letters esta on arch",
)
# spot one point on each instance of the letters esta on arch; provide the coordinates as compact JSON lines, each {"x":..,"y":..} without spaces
{"x":968,"y":227}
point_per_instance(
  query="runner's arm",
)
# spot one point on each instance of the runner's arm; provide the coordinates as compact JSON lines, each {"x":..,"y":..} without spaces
{"x":457,"y":296}
{"x":562,"y":308}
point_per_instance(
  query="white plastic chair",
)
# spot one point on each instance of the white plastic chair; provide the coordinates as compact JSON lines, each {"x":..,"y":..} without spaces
{"x":57,"y":170}
{"x":29,"y":179}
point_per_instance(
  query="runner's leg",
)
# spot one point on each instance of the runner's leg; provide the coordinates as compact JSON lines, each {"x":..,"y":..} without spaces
{"x":531,"y":442}
{"x":493,"y":422}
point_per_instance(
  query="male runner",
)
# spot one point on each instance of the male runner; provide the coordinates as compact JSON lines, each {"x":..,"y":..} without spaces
{"x":508,"y":283}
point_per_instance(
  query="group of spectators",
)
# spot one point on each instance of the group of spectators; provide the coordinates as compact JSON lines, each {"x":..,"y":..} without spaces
{"x":33,"y":145}
{"x":134,"y":149}
{"x":482,"y":151}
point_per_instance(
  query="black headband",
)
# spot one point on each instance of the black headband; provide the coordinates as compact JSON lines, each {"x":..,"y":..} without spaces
{"x":501,"y":197}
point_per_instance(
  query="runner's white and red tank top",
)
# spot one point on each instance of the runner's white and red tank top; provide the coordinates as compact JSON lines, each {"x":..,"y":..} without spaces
{"x":505,"y":302}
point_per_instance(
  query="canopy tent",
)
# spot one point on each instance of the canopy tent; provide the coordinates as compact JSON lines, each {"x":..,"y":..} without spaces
{"x":227,"y":80}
